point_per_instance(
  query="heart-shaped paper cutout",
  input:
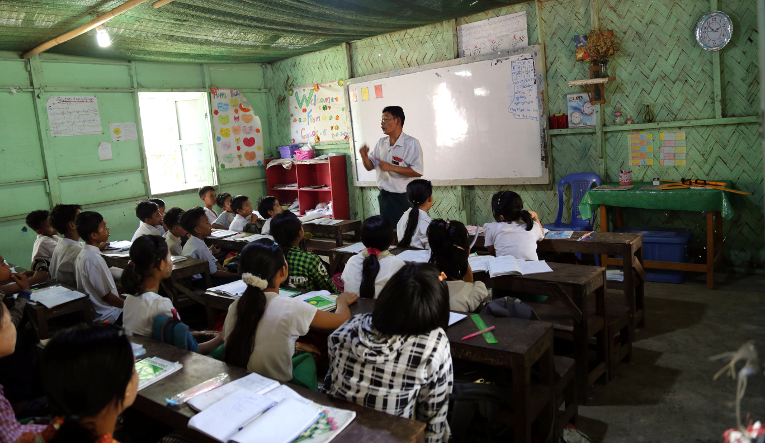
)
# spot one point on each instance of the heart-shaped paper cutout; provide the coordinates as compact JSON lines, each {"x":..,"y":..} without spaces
{"x":234,"y":102}
{"x":225,"y":144}
{"x":250,"y":156}
{"x":247,"y":129}
{"x":223,"y":119}
{"x":222,"y":107}
{"x":236,"y":130}
{"x":249,"y":141}
{"x":225,"y":132}
{"x":228,"y":158}
{"x":248,"y":118}
{"x":243,"y":109}
{"x":238,"y":148}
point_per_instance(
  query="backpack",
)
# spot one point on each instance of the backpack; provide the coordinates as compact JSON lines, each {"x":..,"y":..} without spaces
{"x":510,"y":307}
{"x":172,"y":330}
{"x":478,"y":395}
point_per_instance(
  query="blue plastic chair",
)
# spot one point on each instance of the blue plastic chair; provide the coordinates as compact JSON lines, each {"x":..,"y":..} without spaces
{"x":580,"y":183}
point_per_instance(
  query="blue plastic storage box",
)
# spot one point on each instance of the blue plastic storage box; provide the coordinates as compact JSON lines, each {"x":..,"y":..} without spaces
{"x":663,"y":244}
{"x":288,"y":151}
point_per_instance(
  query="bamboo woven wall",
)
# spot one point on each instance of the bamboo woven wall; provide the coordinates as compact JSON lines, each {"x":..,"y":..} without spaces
{"x":659,"y":62}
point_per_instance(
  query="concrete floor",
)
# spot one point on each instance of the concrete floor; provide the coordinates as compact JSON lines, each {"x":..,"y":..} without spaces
{"x":667,"y":394}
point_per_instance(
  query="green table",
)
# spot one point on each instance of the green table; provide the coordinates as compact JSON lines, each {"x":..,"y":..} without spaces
{"x":716,"y":204}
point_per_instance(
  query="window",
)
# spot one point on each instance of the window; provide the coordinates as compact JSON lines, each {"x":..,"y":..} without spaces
{"x":177,"y":140}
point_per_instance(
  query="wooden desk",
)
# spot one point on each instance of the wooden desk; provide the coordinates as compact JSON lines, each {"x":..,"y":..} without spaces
{"x":368,"y":426}
{"x":336,"y":230}
{"x":39,"y":314}
{"x":216,"y":304}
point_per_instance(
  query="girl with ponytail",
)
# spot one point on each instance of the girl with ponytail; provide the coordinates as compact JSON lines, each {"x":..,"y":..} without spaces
{"x":262,"y":327}
{"x":413,"y":225}
{"x":516,"y":230}
{"x":366,"y":273}
{"x":450,"y":248}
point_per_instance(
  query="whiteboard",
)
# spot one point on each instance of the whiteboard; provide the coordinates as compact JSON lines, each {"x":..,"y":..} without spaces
{"x":73,"y":115}
{"x":479,"y":119}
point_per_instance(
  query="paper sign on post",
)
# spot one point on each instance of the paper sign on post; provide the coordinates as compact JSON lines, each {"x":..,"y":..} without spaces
{"x":123,"y":131}
{"x":105,"y":151}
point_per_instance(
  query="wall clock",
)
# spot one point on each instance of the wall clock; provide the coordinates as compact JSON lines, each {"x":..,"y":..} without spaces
{"x":713,"y":31}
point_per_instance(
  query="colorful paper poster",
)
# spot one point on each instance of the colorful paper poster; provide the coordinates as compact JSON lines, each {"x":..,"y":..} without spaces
{"x":317,"y":113}
{"x":672,"y":149}
{"x":123,"y":131}
{"x":378,"y":91}
{"x":364,"y":94}
{"x":580,"y":111}
{"x":641,"y":148}
{"x":73,"y":115}
{"x":502,"y":33}
{"x":238,"y":135}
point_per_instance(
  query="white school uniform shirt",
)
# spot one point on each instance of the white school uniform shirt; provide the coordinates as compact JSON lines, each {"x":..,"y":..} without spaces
{"x":283,"y":321}
{"x":420,"y":236}
{"x":196,"y":248}
{"x":173,"y":243}
{"x":466,"y":297}
{"x":389,"y":265}
{"x":513,"y":239}
{"x":405,"y":152}
{"x":239,"y":223}
{"x":95,"y":279}
{"x":44,"y":246}
{"x":140,"y":310}
{"x":266,"y":229}
{"x":62,"y":261}
{"x":145,"y":229}
{"x":211,"y":215}
{"x":159,"y":228}
{"x":224,"y":219}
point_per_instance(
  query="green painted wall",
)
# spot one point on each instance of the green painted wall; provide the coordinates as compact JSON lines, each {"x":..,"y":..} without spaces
{"x":659,"y":62}
{"x":38,"y":171}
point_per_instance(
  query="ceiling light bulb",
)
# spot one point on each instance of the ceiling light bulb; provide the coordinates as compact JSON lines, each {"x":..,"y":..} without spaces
{"x":102,"y":37}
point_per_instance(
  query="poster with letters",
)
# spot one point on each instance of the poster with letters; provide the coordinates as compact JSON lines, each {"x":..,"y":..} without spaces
{"x":317,"y":113}
{"x":502,"y":33}
{"x":73,"y":115}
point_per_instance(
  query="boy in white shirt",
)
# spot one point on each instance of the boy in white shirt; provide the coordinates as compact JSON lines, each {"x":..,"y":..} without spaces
{"x":241,"y":205}
{"x":65,"y":253}
{"x":93,"y":275}
{"x":516,"y":230}
{"x":175,"y":234}
{"x":195,"y":222}
{"x":148,"y":213}
{"x":46,"y":240}
{"x":268,"y":207}
{"x":226,"y":213}
{"x":207,"y":195}
{"x":161,"y":206}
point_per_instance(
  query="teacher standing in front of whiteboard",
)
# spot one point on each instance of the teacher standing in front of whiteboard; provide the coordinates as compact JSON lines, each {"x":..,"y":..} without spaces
{"x":397,"y":158}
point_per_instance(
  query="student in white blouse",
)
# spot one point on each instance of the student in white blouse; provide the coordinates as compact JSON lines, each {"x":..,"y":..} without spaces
{"x":243,"y":209}
{"x":412,"y":228}
{"x":516,"y":230}
{"x":62,"y":260}
{"x":226,"y":214}
{"x":148,"y":213}
{"x":93,"y":276}
{"x":207,"y":195}
{"x":262,"y":327}
{"x":366,"y":273}
{"x":175,"y":232}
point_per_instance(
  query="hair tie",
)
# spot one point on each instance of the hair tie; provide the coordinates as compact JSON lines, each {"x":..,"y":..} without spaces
{"x":254,"y":281}
{"x":373,"y":251}
{"x":130,"y":263}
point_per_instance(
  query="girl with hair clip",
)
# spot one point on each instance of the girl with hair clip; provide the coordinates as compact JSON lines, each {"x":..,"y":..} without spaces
{"x":397,"y":358}
{"x":413,"y":226}
{"x":366,"y":273}
{"x":262,"y":327}
{"x":516,"y":230}
{"x":450,"y":248}
{"x":150,"y":263}
{"x":89,"y":376}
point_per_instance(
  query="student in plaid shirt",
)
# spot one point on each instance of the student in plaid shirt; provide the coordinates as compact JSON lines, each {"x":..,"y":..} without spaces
{"x":397,"y":359}
{"x":307,"y":270}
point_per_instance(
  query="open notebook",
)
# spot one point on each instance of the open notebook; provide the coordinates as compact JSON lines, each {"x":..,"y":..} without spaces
{"x":55,"y":295}
{"x":508,"y":265}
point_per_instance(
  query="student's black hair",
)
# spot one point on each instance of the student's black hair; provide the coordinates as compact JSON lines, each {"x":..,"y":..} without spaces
{"x":145,"y":209}
{"x":266,"y":204}
{"x":220,"y":200}
{"x":413,"y":302}
{"x":158,"y":201}
{"x":263,"y":259}
{"x":85,"y":369}
{"x":417,"y":192}
{"x":36,"y":218}
{"x":377,"y":233}
{"x":510,"y":205}
{"x":285,"y":228}
{"x":87,"y":223}
{"x":190,"y":219}
{"x":396,"y":112}
{"x":449,"y":247}
{"x":173,"y":217}
{"x":146,"y":253}
{"x":237,"y":202}
{"x":204,"y":190}
{"x":62,"y":215}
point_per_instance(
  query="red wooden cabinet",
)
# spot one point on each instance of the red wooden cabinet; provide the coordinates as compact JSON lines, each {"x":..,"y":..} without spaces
{"x":330,"y":172}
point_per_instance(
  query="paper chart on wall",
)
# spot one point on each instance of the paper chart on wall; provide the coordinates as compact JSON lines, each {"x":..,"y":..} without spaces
{"x":123,"y":131}
{"x":73,"y":115}
{"x":641,"y":148}
{"x":672,"y":148}
{"x":238,"y":135}
{"x":317,"y":113}
{"x":491,"y":35}
{"x":105,"y":151}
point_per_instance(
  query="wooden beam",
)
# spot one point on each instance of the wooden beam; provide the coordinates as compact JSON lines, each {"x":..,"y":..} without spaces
{"x":130,"y":4}
{"x":160,"y":3}
{"x":683,"y":123}
{"x":716,"y":70}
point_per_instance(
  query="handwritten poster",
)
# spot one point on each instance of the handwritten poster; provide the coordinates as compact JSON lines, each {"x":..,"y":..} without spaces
{"x":105,"y":151}
{"x":491,"y":35}
{"x":238,"y":133}
{"x":641,"y":148}
{"x":73,"y":115}
{"x":524,"y":104}
{"x":123,"y":131}
{"x":317,"y":113}
{"x":672,"y":148}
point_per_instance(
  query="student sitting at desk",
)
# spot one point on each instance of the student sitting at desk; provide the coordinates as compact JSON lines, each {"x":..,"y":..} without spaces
{"x":397,"y":358}
{"x":175,"y":235}
{"x":148,"y":213}
{"x":516,"y":230}
{"x":196,"y":223}
{"x":413,"y":225}
{"x":261,"y":326}
{"x":46,"y":240}
{"x":93,"y":276}
{"x":268,"y":207}
{"x":161,"y":206}
{"x":62,"y":261}
{"x":90,"y":379}
{"x":306,"y":269}
{"x":207,"y":195}
{"x":450,"y":248}
{"x":226,"y":213}
{"x":243,"y":209}
{"x":367,"y":272}
{"x":13,"y":283}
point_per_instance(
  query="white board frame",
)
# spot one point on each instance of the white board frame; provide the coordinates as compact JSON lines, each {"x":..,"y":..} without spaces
{"x":535,"y":50}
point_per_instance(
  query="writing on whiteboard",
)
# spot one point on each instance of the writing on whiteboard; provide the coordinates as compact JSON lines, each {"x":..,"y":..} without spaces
{"x":524,"y":103}
{"x":503,"y":33}
{"x":73,"y":115}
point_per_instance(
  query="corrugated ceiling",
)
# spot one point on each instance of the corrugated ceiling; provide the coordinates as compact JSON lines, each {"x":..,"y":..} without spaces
{"x":221,"y":31}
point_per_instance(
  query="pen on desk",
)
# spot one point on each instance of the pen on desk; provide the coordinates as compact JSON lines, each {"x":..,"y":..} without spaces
{"x":585,"y":236}
{"x":247,"y":423}
{"x":476,"y":334}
